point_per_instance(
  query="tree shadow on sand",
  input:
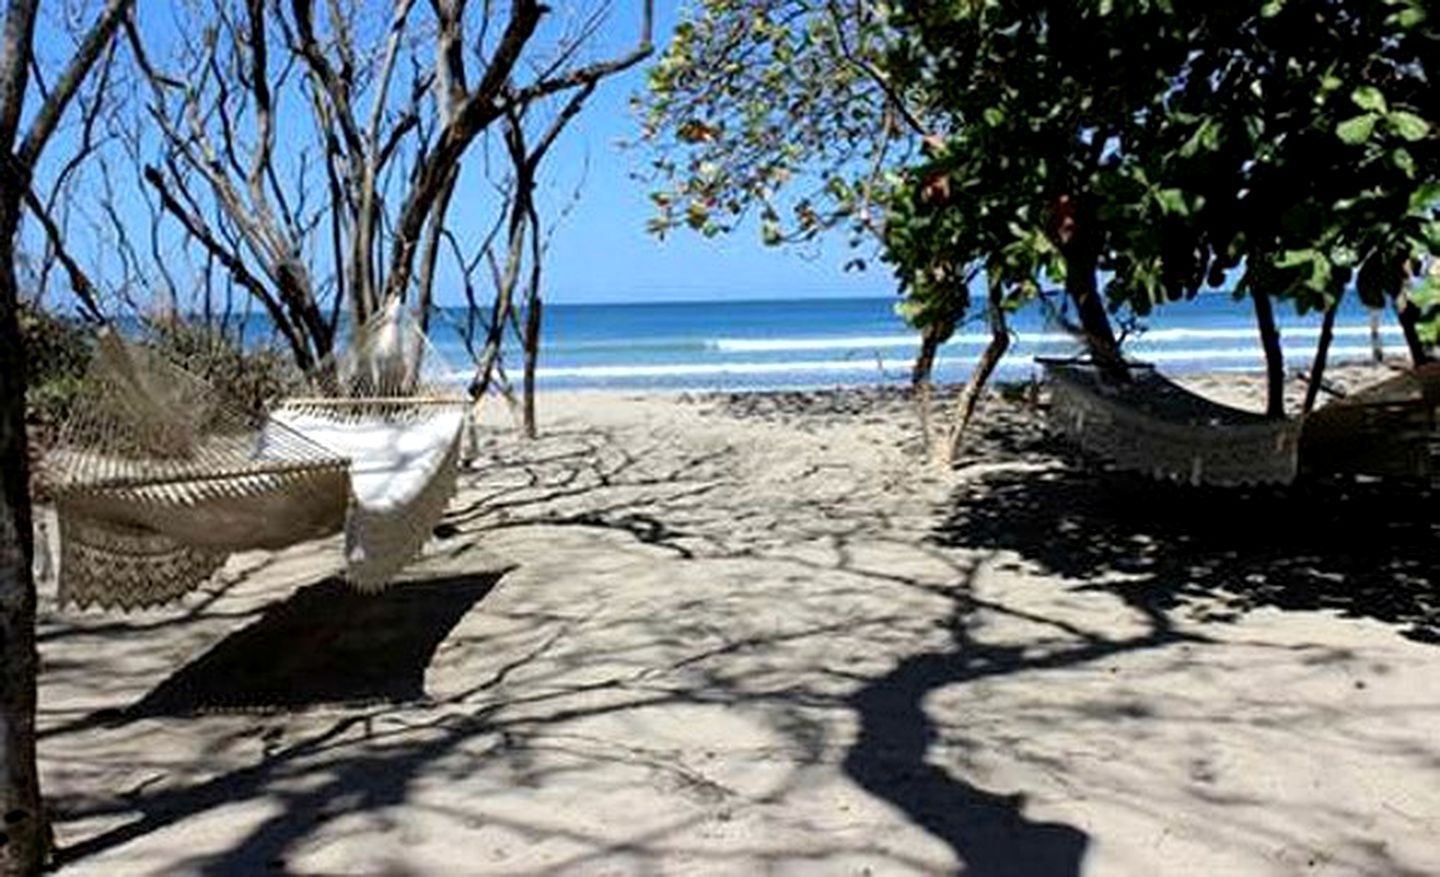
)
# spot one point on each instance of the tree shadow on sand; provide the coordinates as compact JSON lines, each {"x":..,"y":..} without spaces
{"x":892,"y":757}
{"x":326,"y":644}
{"x":1364,"y":550}
{"x":1173,"y":548}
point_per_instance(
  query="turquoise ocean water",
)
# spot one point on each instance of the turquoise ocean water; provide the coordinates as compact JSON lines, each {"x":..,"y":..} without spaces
{"x":750,"y":345}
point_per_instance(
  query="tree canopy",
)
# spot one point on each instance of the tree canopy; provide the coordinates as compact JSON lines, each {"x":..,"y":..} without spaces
{"x":1164,"y":143}
{"x":1136,"y":152}
{"x":775,"y":109}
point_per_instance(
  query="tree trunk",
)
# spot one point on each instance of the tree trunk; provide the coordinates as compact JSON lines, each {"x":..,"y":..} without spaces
{"x":1409,"y":317}
{"x":1377,"y":348}
{"x":430,"y":254}
{"x":533,"y":311}
{"x":1100,"y":340}
{"x":931,"y":337}
{"x":1274,"y":356}
{"x":970,"y":397}
{"x":1322,"y":354}
{"x":22,"y":823}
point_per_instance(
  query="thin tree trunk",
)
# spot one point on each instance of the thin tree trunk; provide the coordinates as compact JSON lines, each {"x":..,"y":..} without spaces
{"x":24,"y":831}
{"x":1322,"y":354}
{"x":969,"y":400}
{"x":533,"y":310}
{"x":22,"y":823}
{"x":1377,"y":347}
{"x":1409,"y":317}
{"x":1100,"y":340}
{"x":430,"y":254}
{"x":1274,"y":356}
{"x":931,"y":337}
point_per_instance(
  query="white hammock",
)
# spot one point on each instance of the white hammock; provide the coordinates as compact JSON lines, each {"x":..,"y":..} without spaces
{"x":403,"y":466}
{"x":157,"y":481}
{"x":1153,"y":426}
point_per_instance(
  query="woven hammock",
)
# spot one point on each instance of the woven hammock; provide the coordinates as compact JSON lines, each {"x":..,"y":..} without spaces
{"x":1386,"y":430}
{"x":157,"y":480}
{"x":1153,"y":426}
{"x":394,"y":409}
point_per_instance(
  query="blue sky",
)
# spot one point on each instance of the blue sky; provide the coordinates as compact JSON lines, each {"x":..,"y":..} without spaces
{"x":602,"y":252}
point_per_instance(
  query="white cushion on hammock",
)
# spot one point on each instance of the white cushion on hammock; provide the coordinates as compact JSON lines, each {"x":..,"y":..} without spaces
{"x":390,"y":463}
{"x":402,"y":474}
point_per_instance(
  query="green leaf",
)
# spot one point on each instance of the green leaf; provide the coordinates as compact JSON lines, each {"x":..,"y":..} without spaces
{"x":1408,"y":125}
{"x":1368,"y":97}
{"x":1357,"y":130}
{"x":1320,"y":273}
{"x":1173,"y":201}
{"x":1295,"y":258}
{"x":1206,"y":137}
{"x":1404,"y":161}
{"x":1425,"y":198}
{"x":1408,"y":18}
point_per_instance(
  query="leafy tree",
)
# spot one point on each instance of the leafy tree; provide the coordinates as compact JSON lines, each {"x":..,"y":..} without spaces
{"x":1052,"y":114}
{"x":774,"y":109}
{"x":1162,"y":144}
{"x":778,"y":112}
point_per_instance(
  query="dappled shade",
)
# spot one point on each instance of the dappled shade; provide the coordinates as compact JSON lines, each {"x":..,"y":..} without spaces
{"x":326,"y":644}
{"x":1363,"y":549}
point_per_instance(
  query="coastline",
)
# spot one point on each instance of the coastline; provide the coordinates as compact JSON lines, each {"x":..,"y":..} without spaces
{"x":732,"y":633}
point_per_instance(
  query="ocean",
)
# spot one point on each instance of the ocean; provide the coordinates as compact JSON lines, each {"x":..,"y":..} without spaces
{"x":765,"y":345}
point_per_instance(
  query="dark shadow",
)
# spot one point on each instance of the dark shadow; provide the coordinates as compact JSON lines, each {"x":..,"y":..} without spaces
{"x":890,"y":759}
{"x":326,"y":644}
{"x":1364,"y":550}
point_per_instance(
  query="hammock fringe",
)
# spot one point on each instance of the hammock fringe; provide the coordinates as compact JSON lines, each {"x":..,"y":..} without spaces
{"x":157,"y":479}
{"x":1155,"y":427}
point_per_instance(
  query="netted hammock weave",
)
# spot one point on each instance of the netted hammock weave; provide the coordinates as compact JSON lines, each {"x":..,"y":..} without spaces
{"x":157,"y":479}
{"x":389,"y":402}
{"x":1153,"y":426}
{"x":1385,"y":430}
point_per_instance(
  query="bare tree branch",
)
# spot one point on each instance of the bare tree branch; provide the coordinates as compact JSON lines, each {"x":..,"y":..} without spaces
{"x":91,"y":47}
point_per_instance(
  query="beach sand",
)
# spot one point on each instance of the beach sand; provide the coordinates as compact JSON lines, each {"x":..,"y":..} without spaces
{"x":759,"y":634}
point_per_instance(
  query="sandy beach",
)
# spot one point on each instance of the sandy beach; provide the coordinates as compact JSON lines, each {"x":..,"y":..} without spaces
{"x":758,"y":634}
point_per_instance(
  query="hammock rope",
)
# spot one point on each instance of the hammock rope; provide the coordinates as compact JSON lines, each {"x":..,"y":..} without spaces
{"x":1153,"y":426}
{"x":157,"y":479}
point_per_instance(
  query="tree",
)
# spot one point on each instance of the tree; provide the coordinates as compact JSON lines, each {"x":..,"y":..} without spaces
{"x":23,"y":831}
{"x":380,"y":110}
{"x":526,"y":237}
{"x":1162,"y":145}
{"x":778,"y":112}
{"x":1051,"y":113}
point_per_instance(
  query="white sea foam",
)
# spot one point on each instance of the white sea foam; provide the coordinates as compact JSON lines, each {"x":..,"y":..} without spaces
{"x":1292,"y":353}
{"x":1238,"y":357}
{"x":1146,"y":339}
{"x":702,"y":369}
